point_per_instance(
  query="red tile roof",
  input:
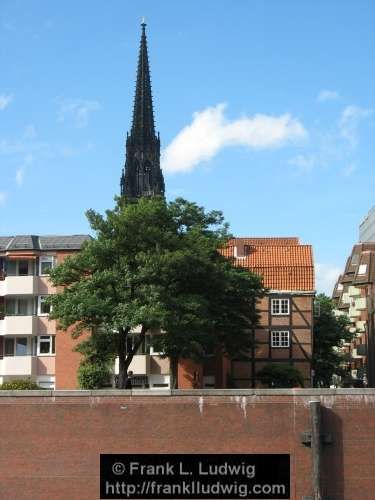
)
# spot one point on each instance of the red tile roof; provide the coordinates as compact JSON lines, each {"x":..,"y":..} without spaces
{"x":278,"y":241}
{"x":284,"y":264}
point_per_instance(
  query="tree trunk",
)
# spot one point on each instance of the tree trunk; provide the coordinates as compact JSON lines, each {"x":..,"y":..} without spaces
{"x":122,"y":365}
{"x":173,"y":372}
{"x":126,"y":359}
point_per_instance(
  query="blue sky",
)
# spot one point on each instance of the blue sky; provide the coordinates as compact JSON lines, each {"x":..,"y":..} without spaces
{"x":266,"y":110}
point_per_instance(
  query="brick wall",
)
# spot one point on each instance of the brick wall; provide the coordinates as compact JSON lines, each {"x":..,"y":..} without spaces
{"x":51,"y":441}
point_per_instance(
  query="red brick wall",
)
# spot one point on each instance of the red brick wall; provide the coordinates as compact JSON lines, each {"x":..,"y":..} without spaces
{"x":51,"y":445}
{"x":67,"y":360}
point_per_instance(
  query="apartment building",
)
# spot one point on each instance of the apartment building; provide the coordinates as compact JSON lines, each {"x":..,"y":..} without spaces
{"x":29,"y":343}
{"x":354,"y":296}
{"x":285,"y":330}
{"x":367,"y":227}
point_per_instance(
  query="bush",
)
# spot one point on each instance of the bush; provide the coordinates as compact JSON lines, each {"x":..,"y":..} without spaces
{"x":20,"y":385}
{"x":93,"y":375}
{"x":278,"y":375}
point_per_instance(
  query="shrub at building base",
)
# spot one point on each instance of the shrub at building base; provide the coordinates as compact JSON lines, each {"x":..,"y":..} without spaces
{"x":20,"y":385}
{"x":280,"y":375}
{"x":93,"y":375}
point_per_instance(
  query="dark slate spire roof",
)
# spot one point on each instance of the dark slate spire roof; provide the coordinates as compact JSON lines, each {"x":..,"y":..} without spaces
{"x":33,"y":242}
{"x":143,"y":127}
{"x":142,"y":175}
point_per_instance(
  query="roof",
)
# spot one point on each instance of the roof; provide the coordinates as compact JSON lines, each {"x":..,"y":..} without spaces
{"x":33,"y":242}
{"x":269,"y":241}
{"x":283,"y":263}
{"x":359,"y":269}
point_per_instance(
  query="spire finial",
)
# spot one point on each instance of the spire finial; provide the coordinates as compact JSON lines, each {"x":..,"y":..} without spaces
{"x":143,"y":23}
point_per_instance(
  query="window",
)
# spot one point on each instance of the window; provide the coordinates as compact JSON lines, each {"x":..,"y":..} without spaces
{"x":280,"y":306}
{"x":43,"y":308}
{"x":19,"y":268}
{"x":46,"y":345}
{"x":9,"y":347}
{"x":16,"y":346}
{"x":23,"y":267}
{"x":21,"y":346}
{"x":355,"y":259}
{"x":362,"y":269}
{"x":46,"y":263}
{"x":280,"y":339}
{"x":19,"y":306}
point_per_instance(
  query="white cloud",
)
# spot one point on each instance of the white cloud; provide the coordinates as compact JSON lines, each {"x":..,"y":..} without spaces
{"x":78,"y":110}
{"x":3,"y":197}
{"x":350,"y":120}
{"x":327,"y":95}
{"x":5,"y":100}
{"x":210,"y":131}
{"x":326,"y":277}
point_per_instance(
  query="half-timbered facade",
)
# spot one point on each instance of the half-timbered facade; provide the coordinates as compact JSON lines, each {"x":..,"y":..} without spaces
{"x":285,"y":330}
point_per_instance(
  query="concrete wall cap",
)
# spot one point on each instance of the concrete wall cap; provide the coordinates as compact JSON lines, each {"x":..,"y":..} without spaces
{"x":192,"y":392}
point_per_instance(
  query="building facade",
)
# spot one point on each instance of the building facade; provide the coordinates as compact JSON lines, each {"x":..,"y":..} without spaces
{"x":354,"y":296}
{"x":367,"y":227}
{"x":285,"y":330}
{"x":28,"y":339}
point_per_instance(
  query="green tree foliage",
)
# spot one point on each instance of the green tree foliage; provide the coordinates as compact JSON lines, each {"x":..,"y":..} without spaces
{"x":152,"y":266}
{"x":330,"y":333}
{"x":280,"y":375}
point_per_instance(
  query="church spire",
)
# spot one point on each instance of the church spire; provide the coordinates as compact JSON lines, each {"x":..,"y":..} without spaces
{"x":142,"y":175}
{"x":143,"y":114}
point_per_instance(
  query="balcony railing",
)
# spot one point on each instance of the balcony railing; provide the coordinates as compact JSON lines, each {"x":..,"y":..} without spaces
{"x":19,"y":325}
{"x":18,"y":365}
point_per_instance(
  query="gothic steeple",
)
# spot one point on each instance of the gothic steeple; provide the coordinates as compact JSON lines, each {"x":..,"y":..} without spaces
{"x":142,"y":175}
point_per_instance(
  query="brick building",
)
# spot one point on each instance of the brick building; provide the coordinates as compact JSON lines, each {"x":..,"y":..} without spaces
{"x":285,"y":331}
{"x":28,"y":341}
{"x":354,"y":296}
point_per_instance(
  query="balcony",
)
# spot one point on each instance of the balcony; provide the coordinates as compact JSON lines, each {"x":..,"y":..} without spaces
{"x":20,"y":285}
{"x":360,"y":304}
{"x":26,"y":285}
{"x":18,"y":365}
{"x":353,"y":312}
{"x":361,"y":326}
{"x":354,"y":291}
{"x":19,"y":325}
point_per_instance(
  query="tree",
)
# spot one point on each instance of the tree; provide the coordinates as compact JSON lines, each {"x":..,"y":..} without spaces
{"x":280,"y":375}
{"x":154,"y":266}
{"x":330,"y":333}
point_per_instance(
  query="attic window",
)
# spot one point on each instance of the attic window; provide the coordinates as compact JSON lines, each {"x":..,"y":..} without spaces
{"x":362,"y":269}
{"x":240,"y":250}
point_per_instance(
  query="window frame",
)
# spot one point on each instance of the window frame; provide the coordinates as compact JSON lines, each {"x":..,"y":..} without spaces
{"x":280,"y":339}
{"x":14,"y":342}
{"x":362,"y":269}
{"x":279,"y":301}
{"x":44,"y":339}
{"x":40,"y":313}
{"x":43,"y":259}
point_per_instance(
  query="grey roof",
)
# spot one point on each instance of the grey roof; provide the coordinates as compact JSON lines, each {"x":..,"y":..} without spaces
{"x":33,"y":242}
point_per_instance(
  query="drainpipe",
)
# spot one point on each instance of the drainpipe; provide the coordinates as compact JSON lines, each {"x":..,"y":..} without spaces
{"x":316,"y":448}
